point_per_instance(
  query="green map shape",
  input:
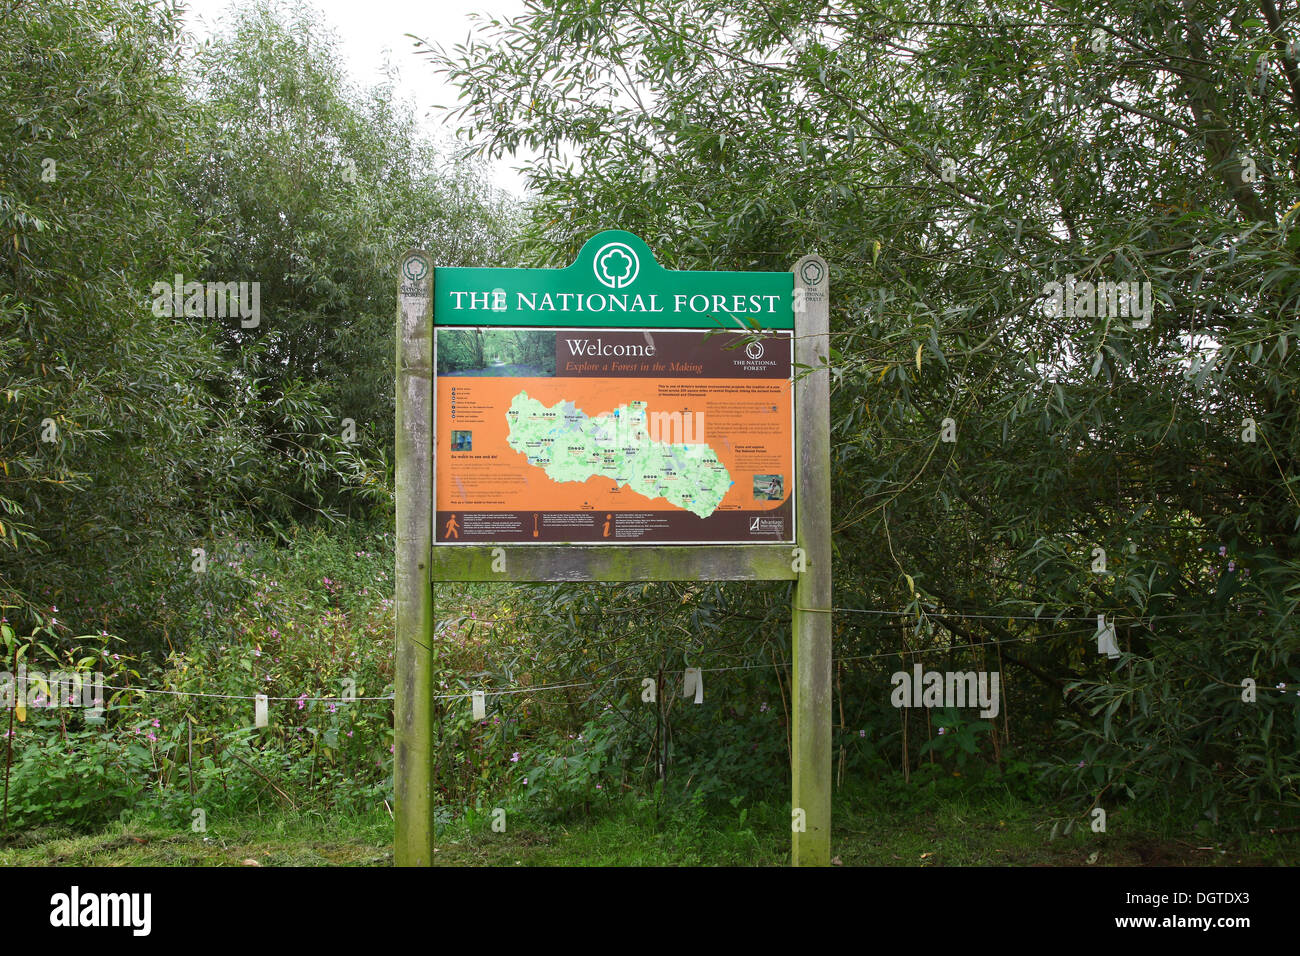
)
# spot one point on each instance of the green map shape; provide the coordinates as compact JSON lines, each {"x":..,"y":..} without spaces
{"x":570,"y":445}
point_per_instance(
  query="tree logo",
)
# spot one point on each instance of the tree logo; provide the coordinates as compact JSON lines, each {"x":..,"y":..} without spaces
{"x":754,"y":350}
{"x":812,"y":272}
{"x":415,"y":268}
{"x":616,"y":265}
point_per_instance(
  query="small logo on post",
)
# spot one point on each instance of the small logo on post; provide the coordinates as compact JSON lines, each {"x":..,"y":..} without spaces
{"x":616,"y":265}
{"x":414,"y":269}
{"x":812,"y":272}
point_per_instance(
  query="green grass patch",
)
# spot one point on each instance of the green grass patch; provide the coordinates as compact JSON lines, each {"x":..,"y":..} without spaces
{"x":640,"y":831}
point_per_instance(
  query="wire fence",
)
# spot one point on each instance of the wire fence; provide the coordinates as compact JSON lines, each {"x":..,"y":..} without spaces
{"x":1103,"y":621}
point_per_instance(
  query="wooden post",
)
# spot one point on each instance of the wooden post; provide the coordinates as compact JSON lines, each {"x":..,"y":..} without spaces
{"x":413,"y":590}
{"x":811,"y":614}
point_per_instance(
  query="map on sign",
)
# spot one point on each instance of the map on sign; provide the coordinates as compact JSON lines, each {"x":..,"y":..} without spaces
{"x":626,"y":445}
{"x":605,"y":435}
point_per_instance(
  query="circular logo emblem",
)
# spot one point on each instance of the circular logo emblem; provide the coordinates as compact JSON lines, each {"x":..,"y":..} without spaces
{"x":616,"y":265}
{"x":754,"y":350}
{"x":415,"y":268}
{"x":812,"y":272}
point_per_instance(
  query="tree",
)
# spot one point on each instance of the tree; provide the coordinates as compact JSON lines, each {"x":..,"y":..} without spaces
{"x":314,"y":187}
{"x":109,"y":439}
{"x":960,"y":168}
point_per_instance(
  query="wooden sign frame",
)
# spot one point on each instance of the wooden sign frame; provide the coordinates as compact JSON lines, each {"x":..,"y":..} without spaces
{"x":419,"y":564}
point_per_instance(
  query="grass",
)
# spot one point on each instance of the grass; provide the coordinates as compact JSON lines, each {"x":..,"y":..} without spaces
{"x":952,"y":832}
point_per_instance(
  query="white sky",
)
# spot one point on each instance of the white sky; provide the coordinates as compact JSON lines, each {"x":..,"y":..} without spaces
{"x":369,"y":30}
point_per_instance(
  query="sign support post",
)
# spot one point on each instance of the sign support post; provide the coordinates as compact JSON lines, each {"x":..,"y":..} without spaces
{"x":811,"y":610}
{"x":696,"y":539}
{"x":413,"y":585}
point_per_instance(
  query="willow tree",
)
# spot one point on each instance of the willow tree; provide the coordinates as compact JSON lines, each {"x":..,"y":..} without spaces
{"x":313,"y":185}
{"x":1007,"y":464}
{"x":109,"y":439}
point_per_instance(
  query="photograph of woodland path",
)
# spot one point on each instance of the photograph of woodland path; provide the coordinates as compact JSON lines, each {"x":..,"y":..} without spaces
{"x":1065,"y":434}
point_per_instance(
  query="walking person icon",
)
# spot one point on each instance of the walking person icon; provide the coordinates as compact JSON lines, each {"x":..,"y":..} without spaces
{"x":451,"y":531}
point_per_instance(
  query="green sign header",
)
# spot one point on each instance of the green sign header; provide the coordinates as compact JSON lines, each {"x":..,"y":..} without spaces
{"x":615,"y":281}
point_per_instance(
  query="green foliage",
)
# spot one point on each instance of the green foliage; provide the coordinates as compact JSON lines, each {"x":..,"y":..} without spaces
{"x":950,"y":163}
{"x":298,"y":626}
{"x":123,"y":439}
{"x":106,"y":428}
{"x":565,"y":774}
{"x":79,"y":777}
{"x":479,"y":349}
{"x":59,"y":765}
{"x":128,"y":438}
{"x":313,"y":187}
{"x":957,"y":737}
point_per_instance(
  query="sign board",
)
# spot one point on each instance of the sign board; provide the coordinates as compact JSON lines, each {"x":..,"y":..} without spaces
{"x":613,"y":402}
{"x":612,"y":421}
